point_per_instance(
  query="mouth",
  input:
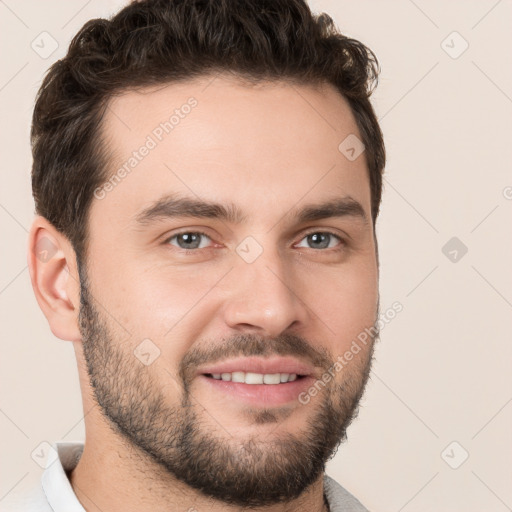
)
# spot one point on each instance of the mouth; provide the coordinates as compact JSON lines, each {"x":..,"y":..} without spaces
{"x":251,"y":378}
{"x":263,"y":382}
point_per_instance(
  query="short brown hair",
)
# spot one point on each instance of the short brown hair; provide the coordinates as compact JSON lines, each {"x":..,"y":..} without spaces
{"x":160,"y":41}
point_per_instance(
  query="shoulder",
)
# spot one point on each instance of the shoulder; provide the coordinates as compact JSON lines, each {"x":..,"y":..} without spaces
{"x":340,"y":500}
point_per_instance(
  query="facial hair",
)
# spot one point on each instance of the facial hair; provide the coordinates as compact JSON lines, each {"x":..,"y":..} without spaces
{"x":252,"y":472}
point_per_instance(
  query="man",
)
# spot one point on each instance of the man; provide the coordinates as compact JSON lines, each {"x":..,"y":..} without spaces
{"x":207,"y":178}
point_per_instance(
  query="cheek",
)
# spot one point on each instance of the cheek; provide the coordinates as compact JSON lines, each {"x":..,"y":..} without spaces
{"x":169,"y":305}
{"x":345,"y":304}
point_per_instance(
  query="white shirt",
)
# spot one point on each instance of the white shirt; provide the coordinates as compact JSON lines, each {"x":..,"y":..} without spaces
{"x":55,"y":493}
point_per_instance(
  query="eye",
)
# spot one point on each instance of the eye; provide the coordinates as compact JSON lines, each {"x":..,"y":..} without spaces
{"x":189,"y":240}
{"x":321,"y":240}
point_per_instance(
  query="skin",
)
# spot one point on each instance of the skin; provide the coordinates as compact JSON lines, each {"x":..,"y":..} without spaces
{"x":269,"y":149}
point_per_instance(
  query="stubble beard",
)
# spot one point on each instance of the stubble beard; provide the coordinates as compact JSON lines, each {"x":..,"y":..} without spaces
{"x":251,"y":472}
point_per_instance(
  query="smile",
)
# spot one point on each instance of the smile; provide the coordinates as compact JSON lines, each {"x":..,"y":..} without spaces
{"x":259,"y":381}
{"x":255,"y":378}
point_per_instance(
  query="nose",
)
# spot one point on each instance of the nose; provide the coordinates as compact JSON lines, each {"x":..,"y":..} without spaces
{"x":263,"y":297}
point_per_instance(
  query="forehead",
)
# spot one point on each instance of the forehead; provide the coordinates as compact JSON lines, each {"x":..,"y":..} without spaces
{"x":274,"y":143}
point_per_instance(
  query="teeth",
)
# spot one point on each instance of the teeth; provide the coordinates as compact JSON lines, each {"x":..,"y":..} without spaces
{"x":256,"y":378}
{"x":238,"y":376}
{"x":253,"y":378}
{"x":272,"y":378}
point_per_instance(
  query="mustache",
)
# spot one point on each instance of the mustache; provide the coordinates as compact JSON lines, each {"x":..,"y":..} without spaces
{"x":246,"y":345}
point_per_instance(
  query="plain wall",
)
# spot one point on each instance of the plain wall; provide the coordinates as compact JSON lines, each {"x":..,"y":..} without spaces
{"x":443,"y":365}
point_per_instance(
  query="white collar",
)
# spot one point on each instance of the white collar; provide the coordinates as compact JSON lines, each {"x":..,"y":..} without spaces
{"x":55,"y":482}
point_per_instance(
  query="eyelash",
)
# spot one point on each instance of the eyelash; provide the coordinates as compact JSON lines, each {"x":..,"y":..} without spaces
{"x":342,"y":241}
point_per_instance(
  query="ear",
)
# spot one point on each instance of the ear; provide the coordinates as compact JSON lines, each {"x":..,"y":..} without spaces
{"x":54,"y":275}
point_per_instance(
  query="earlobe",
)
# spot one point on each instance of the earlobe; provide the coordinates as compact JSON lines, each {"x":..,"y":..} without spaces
{"x":55,"y":281}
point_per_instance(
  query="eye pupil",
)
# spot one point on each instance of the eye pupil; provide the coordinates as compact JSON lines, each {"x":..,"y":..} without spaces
{"x":321,"y":239}
{"x":189,"y":239}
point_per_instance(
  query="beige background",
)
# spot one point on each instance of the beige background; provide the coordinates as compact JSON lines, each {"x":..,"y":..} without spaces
{"x":443,"y":366}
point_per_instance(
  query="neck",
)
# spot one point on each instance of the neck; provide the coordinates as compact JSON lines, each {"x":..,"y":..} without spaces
{"x":140,"y":484}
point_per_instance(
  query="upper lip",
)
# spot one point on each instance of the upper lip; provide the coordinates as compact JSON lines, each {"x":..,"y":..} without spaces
{"x":265,"y":365}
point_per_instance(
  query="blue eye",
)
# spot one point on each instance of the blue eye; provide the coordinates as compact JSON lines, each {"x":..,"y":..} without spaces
{"x":189,"y":240}
{"x":321,"y":240}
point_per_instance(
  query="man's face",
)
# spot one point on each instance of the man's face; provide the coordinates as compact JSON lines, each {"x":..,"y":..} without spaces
{"x":203,"y":326}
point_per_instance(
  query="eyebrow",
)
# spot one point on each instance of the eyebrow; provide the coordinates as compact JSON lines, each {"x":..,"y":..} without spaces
{"x":173,"y":206}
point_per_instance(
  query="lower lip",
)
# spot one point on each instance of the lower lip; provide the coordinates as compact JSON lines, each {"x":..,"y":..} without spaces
{"x":263,"y":395}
